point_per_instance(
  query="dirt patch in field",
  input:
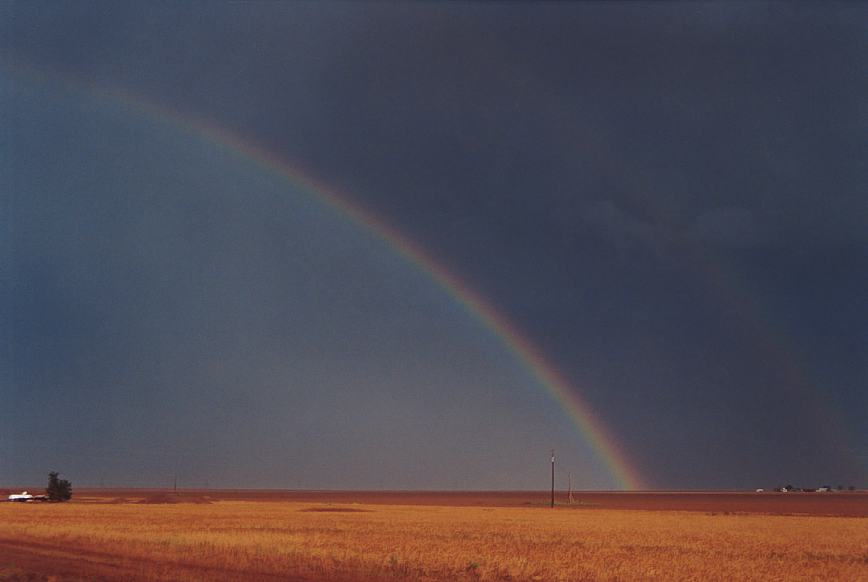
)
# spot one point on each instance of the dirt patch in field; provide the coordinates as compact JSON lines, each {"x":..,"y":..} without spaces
{"x":160,"y":498}
{"x":335,"y":510}
{"x":33,"y":561}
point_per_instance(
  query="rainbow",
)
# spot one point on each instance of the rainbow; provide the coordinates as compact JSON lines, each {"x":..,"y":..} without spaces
{"x":605,"y":446}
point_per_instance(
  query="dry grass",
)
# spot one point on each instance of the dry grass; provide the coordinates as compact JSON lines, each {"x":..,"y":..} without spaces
{"x":242,"y":539}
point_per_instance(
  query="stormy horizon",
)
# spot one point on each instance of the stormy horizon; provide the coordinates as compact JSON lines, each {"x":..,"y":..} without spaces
{"x":346,"y":246}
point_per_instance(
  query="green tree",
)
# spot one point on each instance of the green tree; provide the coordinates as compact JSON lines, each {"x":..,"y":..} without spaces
{"x":58,"y":489}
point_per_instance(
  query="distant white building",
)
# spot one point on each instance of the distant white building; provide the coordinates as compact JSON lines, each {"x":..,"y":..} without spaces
{"x":23,"y":496}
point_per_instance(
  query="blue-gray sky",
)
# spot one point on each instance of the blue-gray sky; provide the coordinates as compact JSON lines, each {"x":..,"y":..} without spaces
{"x":667,"y":199}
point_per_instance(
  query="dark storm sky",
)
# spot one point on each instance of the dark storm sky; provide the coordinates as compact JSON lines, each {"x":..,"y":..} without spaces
{"x":669,"y":200}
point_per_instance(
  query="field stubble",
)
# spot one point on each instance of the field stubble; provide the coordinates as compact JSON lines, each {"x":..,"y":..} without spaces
{"x":308,"y":541}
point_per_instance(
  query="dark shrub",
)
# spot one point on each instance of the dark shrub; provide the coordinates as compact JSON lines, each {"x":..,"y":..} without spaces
{"x":58,"y":489}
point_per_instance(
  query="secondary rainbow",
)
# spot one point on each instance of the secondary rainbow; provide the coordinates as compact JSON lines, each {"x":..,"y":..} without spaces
{"x":532,"y":359}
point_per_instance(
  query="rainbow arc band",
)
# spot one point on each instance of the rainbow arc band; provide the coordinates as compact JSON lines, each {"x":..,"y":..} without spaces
{"x":623,"y":473}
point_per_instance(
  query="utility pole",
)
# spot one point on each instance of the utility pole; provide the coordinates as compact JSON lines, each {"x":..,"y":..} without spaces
{"x":553,"y":478}
{"x":570,"y":479}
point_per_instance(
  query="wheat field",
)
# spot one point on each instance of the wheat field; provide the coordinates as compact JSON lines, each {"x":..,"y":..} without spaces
{"x":234,"y":540}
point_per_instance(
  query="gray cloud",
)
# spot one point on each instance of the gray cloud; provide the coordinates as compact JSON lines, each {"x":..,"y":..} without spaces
{"x":728,"y":227}
{"x":609,"y":222}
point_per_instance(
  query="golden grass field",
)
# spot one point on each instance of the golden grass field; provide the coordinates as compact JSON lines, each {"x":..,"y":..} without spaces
{"x":304,"y":540}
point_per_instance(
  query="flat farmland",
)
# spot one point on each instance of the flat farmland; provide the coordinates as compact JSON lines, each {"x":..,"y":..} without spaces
{"x":339,"y":536}
{"x":829,"y":504}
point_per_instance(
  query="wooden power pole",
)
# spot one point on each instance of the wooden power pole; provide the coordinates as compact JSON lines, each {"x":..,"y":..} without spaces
{"x":553,"y":478}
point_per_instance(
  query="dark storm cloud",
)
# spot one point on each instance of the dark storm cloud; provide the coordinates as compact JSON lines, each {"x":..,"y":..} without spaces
{"x":452,"y":102}
{"x":668,"y":198}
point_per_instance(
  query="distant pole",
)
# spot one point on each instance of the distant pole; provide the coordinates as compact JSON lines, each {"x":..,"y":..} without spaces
{"x":553,"y":478}
{"x":570,"y":496}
